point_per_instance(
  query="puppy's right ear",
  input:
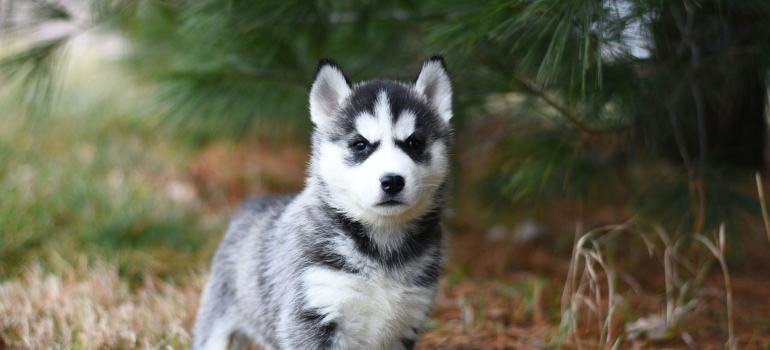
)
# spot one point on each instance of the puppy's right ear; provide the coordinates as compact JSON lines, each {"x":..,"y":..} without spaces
{"x":433,"y":83}
{"x":329,"y":89}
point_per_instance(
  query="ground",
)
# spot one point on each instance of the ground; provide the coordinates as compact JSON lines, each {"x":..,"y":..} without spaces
{"x":496,"y":293}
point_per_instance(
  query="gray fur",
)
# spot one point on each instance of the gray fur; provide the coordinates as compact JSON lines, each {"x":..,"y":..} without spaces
{"x":300,"y":272}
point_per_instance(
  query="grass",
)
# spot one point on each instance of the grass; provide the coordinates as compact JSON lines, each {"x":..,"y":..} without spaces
{"x":90,"y":306}
{"x":593,"y":281}
{"x":96,"y":177}
{"x":718,"y":250}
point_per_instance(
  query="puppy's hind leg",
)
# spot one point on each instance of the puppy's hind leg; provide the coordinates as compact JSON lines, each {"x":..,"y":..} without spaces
{"x":217,"y":319}
{"x":217,"y":332}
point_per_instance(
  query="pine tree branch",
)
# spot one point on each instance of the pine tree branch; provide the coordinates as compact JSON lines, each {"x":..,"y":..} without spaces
{"x":233,"y":76}
{"x":542,"y":95}
{"x":678,"y":133}
{"x":700,"y":108}
{"x":685,"y":27}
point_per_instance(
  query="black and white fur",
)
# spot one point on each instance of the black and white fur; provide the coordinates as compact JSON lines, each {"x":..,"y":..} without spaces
{"x":351,"y":262}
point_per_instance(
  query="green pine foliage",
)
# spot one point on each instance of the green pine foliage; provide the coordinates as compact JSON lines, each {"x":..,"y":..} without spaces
{"x":647,"y":94}
{"x":657,"y":103}
{"x":229,"y":66}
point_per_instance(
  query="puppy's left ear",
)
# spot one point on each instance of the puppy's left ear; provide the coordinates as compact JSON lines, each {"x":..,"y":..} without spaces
{"x":433,"y":83}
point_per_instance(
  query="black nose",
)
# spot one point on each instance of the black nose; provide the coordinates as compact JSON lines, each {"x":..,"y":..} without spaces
{"x":392,"y":183}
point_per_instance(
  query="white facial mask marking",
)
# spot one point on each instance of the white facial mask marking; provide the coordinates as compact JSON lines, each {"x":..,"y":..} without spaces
{"x":369,"y":127}
{"x":404,"y":126}
{"x":357,"y":189}
{"x":376,"y":127}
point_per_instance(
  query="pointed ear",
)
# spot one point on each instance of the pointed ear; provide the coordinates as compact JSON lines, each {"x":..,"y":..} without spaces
{"x":433,"y":83}
{"x":329,"y":89}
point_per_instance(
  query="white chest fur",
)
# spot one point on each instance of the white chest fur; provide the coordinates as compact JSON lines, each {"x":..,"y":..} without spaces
{"x":371,"y":312}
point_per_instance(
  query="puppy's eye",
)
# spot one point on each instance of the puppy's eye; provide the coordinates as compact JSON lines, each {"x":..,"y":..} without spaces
{"x":413,"y":143}
{"x":359,"y":146}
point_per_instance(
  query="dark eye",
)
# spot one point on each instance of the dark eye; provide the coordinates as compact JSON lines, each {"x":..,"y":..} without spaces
{"x":360,"y":145}
{"x":413,"y":143}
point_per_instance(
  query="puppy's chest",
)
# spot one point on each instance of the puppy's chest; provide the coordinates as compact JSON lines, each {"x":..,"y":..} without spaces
{"x":369,"y":309}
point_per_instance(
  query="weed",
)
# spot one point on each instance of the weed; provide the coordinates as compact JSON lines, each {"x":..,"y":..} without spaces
{"x":719,"y":254}
{"x":761,"y":193}
{"x":591,"y":289}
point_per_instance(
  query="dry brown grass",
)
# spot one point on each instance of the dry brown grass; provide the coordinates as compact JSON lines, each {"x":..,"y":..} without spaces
{"x":90,"y":307}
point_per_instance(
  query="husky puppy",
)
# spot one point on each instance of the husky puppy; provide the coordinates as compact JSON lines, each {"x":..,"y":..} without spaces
{"x":352,"y":261}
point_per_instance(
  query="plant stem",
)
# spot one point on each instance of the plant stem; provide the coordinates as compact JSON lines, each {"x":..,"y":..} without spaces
{"x":764,"y":206}
{"x":718,"y":250}
{"x":728,"y":286}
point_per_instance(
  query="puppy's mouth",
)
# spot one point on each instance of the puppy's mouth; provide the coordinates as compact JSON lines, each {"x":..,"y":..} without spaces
{"x":390,"y":203}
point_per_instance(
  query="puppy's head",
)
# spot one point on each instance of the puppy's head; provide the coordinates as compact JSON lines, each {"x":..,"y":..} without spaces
{"x":380,"y":148}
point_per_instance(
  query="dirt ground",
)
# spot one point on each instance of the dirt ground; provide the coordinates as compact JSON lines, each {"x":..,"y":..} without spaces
{"x":502,"y":293}
{"x":505,"y":322}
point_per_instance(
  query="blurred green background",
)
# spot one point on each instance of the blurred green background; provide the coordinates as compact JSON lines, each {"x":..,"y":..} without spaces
{"x":115,"y":115}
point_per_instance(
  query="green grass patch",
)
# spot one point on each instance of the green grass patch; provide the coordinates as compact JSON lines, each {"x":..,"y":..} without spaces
{"x":92,"y":178}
